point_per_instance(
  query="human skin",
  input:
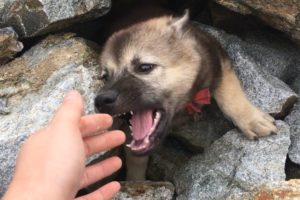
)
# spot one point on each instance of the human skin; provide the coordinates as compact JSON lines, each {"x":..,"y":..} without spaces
{"x":51,"y":163}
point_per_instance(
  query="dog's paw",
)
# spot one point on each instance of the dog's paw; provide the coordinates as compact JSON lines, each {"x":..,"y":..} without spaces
{"x":255,"y":124}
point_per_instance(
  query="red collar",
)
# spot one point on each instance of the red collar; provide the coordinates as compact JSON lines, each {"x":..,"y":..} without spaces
{"x":202,"y":97}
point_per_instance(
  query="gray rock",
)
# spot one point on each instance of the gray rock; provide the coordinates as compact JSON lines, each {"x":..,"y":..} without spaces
{"x":276,"y":54}
{"x":264,"y":90}
{"x":9,"y":45}
{"x":35,"y":17}
{"x":282,"y":15}
{"x":35,"y":85}
{"x":293,"y":120}
{"x":3,"y":106}
{"x":234,"y":165}
{"x":200,"y":133}
{"x":295,"y":85}
{"x":145,"y":190}
{"x":164,"y":162}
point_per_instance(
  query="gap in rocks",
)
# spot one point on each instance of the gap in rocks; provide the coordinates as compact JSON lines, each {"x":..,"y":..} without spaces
{"x":292,"y":169}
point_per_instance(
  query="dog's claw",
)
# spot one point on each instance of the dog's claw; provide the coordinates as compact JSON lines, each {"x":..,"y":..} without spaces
{"x":273,"y":133}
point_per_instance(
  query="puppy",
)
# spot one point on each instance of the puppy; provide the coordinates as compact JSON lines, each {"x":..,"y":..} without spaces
{"x":162,"y":68}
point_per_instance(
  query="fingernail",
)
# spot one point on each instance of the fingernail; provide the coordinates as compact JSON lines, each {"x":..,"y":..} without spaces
{"x":71,"y":95}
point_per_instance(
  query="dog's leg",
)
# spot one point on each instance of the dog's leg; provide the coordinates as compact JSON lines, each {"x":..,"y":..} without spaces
{"x":136,"y":166}
{"x":233,"y":102}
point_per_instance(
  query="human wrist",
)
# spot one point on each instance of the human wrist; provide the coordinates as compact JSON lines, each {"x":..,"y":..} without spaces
{"x":30,"y":191}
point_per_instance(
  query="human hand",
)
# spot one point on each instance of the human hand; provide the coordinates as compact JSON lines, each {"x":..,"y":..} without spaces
{"x":51,"y":163}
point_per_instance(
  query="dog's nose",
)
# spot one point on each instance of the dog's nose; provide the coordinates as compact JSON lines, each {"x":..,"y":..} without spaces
{"x":106,"y":98}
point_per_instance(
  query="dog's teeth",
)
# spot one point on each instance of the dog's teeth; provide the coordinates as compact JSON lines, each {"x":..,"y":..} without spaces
{"x":147,"y":140}
{"x":128,"y":145}
{"x":157,"y":115}
{"x":131,"y":112}
{"x":130,"y":127}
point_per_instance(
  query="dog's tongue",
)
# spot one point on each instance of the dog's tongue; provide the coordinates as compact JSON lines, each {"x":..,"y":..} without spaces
{"x":141,"y":124}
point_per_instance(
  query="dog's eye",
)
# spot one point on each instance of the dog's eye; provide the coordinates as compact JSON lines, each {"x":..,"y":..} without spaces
{"x":145,"y":67}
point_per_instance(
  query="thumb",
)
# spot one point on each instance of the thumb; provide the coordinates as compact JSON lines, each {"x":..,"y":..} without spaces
{"x":70,"y":112}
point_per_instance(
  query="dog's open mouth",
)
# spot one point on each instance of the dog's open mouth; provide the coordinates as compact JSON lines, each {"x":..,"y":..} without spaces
{"x":146,"y":128}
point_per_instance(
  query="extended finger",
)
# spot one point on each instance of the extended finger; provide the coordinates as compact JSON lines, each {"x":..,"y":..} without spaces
{"x":103,"y":142}
{"x":100,"y":170}
{"x":106,"y":192}
{"x":69,"y":113}
{"x":92,"y":124}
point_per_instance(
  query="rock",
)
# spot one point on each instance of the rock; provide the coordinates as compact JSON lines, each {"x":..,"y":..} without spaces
{"x":169,"y":157}
{"x":201,"y":133}
{"x":295,"y":85}
{"x":282,"y":15}
{"x":35,"y":84}
{"x":293,"y":120}
{"x":9,"y":45}
{"x":35,"y":17}
{"x":282,"y":190}
{"x":264,"y":90}
{"x":3,"y":106}
{"x":145,"y":190}
{"x":233,"y":165}
{"x":276,"y":54}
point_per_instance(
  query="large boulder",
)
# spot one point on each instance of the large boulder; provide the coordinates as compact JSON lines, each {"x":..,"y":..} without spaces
{"x":35,"y":17}
{"x":234,"y":164}
{"x":282,"y":15}
{"x":34,"y":85}
{"x":9,"y":45}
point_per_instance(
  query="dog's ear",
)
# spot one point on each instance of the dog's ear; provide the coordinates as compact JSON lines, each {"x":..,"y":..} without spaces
{"x":179,"y":23}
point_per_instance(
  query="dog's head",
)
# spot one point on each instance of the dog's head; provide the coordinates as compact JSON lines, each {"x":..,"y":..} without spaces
{"x":149,"y":70}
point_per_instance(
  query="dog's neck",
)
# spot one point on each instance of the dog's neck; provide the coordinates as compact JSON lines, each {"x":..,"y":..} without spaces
{"x":200,"y":98}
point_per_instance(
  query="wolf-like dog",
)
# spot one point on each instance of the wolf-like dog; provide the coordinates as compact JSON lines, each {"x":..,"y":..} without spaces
{"x":155,"y":69}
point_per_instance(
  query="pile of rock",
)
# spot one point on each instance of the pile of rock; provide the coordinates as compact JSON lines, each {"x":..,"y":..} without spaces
{"x":206,"y":159}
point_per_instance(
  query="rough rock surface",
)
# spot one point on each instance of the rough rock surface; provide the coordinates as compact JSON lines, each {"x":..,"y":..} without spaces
{"x":199,"y":134}
{"x":34,"y":17}
{"x":264,"y":90}
{"x":164,"y":162}
{"x":145,"y":190}
{"x":293,"y":119}
{"x":35,"y":84}
{"x":282,"y":15}
{"x":276,"y":54}
{"x":9,"y":45}
{"x":282,"y":190}
{"x":234,"y":164}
